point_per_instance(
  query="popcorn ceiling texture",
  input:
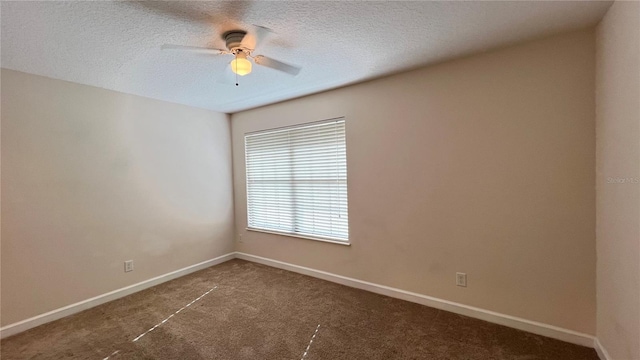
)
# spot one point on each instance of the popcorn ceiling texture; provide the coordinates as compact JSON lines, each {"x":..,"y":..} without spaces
{"x":116,"y":45}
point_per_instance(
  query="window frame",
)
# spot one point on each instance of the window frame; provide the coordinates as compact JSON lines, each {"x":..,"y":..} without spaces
{"x":326,"y":239}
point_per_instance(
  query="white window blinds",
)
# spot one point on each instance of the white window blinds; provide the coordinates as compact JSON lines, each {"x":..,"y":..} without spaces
{"x":297,"y":180}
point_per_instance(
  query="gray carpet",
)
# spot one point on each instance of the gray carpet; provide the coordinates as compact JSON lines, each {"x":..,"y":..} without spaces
{"x":256,"y":312}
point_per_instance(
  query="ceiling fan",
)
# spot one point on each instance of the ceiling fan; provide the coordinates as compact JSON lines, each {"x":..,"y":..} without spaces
{"x":241,"y":46}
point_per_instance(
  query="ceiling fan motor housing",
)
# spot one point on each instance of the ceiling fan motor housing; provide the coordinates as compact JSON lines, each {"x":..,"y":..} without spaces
{"x":234,"y":40}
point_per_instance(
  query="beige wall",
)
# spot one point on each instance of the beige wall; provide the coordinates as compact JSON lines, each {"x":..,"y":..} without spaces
{"x":618,"y":180}
{"x":483,"y":165}
{"x":91,"y":178}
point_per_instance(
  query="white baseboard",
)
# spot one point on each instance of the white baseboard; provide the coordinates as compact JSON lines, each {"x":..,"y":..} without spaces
{"x":474,"y":312}
{"x":602,"y":352}
{"x":56,"y":314}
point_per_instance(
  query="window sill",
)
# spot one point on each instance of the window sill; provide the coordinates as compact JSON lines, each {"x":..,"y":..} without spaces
{"x":337,"y":242}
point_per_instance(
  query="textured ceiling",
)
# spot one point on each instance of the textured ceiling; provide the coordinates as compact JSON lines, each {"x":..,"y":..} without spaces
{"x":116,"y":45}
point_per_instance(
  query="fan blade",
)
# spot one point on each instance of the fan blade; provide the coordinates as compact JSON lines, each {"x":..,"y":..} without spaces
{"x":276,"y":65}
{"x":194,"y":49}
{"x":176,"y":10}
{"x":215,"y":13}
{"x":255,"y":37}
{"x":226,"y":77}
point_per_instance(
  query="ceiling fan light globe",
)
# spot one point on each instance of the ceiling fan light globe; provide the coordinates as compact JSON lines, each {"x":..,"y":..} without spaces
{"x":241,"y":66}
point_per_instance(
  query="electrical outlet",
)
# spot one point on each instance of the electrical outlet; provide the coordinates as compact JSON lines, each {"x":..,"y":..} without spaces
{"x":461,"y":279}
{"x":128,"y":265}
{"x":240,"y":238}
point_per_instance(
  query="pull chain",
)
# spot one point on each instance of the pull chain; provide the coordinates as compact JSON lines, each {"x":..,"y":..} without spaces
{"x":236,"y":72}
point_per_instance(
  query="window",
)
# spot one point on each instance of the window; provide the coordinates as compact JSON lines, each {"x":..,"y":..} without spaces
{"x":297,"y":180}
